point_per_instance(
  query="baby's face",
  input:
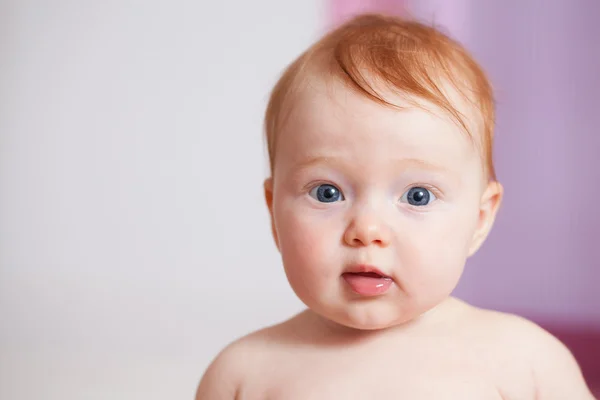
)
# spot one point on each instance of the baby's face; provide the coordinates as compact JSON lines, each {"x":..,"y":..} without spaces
{"x":374,"y":209}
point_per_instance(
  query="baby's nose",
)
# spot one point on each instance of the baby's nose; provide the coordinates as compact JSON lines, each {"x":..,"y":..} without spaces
{"x":367,"y":229}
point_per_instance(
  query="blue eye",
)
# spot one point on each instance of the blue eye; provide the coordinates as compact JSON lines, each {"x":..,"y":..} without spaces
{"x":418,"y":196}
{"x":326,"y":193}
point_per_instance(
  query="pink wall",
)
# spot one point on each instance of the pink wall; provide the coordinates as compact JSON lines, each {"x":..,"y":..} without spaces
{"x":339,"y":10}
{"x":541,"y":259}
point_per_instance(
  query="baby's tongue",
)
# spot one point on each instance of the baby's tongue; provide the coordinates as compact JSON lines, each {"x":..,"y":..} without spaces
{"x":367,"y":283}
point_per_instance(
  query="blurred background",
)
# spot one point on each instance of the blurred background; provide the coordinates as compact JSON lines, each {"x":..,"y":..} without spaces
{"x":134,"y":242}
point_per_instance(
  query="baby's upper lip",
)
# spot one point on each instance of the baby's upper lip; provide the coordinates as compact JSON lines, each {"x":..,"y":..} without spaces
{"x":363,"y":268}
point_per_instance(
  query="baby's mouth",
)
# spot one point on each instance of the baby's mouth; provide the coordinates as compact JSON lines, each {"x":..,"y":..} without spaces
{"x":367,"y":271}
{"x":367,"y":281}
{"x":368,"y":275}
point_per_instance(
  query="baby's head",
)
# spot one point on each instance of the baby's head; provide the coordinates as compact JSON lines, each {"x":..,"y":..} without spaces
{"x":382,"y":183}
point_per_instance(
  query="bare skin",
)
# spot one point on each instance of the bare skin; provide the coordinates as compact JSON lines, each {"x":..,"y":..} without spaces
{"x":455,"y":351}
{"x":409,"y":340}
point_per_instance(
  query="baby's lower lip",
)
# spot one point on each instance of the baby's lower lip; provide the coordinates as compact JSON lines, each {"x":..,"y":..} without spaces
{"x":368,"y":283}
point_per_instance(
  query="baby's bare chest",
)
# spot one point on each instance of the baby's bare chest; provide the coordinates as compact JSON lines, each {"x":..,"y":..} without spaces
{"x":332,"y":385}
{"x":419,"y":372}
{"x":409,"y":375}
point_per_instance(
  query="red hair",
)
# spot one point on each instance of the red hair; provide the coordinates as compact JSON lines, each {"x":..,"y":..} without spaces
{"x":407,"y":57}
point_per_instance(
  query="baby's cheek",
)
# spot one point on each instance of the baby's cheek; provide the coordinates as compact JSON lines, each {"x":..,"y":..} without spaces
{"x":451,"y":233}
{"x":308,"y":243}
{"x":431,"y":255}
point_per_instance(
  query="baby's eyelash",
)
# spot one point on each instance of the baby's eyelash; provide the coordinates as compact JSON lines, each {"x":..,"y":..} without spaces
{"x":433,"y":189}
{"x":310,"y":186}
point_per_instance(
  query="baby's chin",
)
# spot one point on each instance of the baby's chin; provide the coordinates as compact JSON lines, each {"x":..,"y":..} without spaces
{"x":374,"y":318}
{"x":374,"y":324}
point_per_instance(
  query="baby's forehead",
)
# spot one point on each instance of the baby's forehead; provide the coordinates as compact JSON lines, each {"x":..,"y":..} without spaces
{"x":328,"y":119}
{"x":335,"y":114}
{"x":324,"y":99}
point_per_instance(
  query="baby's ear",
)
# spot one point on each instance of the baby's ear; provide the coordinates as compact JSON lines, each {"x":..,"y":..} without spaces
{"x":488,"y":207}
{"x":268,"y":187}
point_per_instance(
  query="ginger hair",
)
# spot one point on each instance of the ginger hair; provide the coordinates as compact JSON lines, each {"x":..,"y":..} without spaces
{"x":406,"y":56}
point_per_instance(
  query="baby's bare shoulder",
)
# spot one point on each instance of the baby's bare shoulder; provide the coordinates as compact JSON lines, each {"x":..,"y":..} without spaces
{"x":243,"y":360}
{"x":516,"y":335}
{"x":222,"y":378}
{"x":554,"y":371}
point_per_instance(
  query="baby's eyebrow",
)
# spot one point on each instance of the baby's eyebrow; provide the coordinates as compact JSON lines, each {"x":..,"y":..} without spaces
{"x":398,"y":164}
{"x":405,"y":163}
{"x":313,"y":160}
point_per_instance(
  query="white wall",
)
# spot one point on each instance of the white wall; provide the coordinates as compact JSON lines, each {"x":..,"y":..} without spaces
{"x":134,"y":242}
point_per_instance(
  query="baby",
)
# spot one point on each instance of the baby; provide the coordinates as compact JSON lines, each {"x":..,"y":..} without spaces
{"x":382,"y":185}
